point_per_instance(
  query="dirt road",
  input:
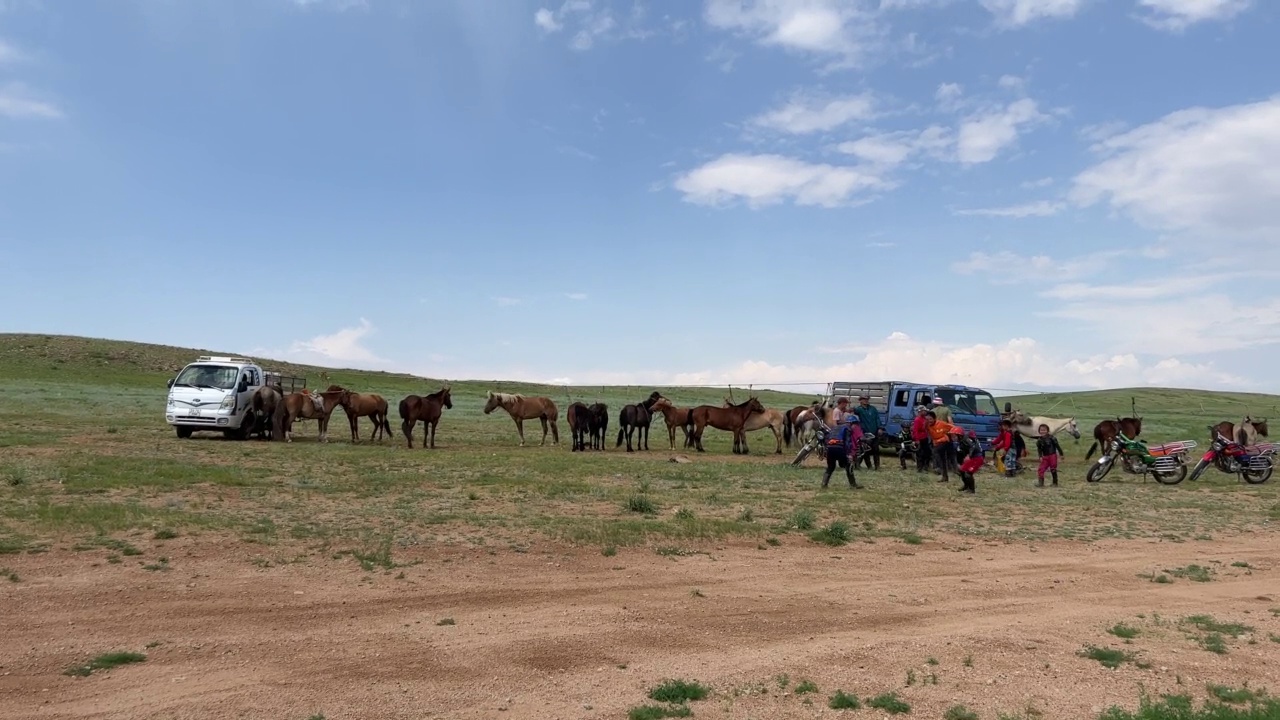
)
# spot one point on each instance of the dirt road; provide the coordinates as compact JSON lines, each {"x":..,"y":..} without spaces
{"x":556,"y":632}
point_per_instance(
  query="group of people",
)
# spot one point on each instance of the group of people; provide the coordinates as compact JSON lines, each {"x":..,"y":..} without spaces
{"x":939,"y":443}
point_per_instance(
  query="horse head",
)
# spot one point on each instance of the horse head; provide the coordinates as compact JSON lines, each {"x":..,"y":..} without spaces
{"x":661,"y":404}
{"x":445,"y":398}
{"x":753,"y":405}
{"x":1260,"y":426}
{"x":491,"y":403}
{"x":1073,"y":429}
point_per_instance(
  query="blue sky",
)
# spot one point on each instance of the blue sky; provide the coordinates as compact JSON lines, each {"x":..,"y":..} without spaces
{"x":1011,"y":193}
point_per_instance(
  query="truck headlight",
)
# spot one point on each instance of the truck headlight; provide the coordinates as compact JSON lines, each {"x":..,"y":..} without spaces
{"x":228,"y":402}
{"x":172,"y":403}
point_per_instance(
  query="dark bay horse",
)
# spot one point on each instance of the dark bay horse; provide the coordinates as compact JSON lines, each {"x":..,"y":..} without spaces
{"x":357,"y":405}
{"x":598,"y":424}
{"x":675,"y":417}
{"x":731,"y":419}
{"x":1105,"y":431}
{"x":306,"y":404}
{"x":636,"y":418}
{"x":579,"y":417}
{"x":775,"y":420}
{"x":1239,"y":433}
{"x":427,"y":409}
{"x":522,"y":408}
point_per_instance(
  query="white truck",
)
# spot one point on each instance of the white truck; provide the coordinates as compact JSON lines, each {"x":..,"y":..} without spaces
{"x":215,"y":393}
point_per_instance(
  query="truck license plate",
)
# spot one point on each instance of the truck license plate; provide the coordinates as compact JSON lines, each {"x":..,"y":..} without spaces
{"x":195,"y":413}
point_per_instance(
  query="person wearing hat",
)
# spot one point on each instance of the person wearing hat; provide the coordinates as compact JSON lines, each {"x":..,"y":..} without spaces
{"x":841,"y":441}
{"x":869,"y":418}
{"x":941,"y":410}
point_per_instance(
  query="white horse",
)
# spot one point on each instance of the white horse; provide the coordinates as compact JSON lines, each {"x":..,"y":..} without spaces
{"x":1029,"y":425}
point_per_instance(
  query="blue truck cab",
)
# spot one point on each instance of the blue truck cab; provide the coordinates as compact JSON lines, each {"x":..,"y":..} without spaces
{"x":971,"y":408}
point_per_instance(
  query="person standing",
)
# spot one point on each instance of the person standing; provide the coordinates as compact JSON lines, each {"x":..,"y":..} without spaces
{"x":1048,"y":449}
{"x":974,"y":457}
{"x":841,"y":409}
{"x":920,"y":434}
{"x":942,"y":435}
{"x":869,"y":419}
{"x":840,"y":443}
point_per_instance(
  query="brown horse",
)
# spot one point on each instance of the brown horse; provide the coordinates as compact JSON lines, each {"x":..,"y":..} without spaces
{"x":793,"y":428}
{"x":263,"y":407}
{"x":1105,"y":431}
{"x":772,"y":419}
{"x":522,"y":408}
{"x":1240,"y":433}
{"x":358,"y":405}
{"x":427,"y":409}
{"x":731,"y":419}
{"x":598,"y":424}
{"x":304,"y":404}
{"x":636,"y":419}
{"x":676,"y":417}
{"x":579,"y":417}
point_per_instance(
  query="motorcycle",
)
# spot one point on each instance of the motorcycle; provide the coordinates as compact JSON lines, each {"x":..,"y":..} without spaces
{"x":818,"y":441}
{"x":1166,"y":463}
{"x":1252,"y":463}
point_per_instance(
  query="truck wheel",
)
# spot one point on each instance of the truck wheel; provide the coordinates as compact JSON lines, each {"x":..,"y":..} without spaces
{"x":183,"y":431}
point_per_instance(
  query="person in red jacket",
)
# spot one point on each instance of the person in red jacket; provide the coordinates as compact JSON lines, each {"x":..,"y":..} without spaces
{"x":973,"y":459}
{"x":920,"y":435}
{"x":1003,"y":443}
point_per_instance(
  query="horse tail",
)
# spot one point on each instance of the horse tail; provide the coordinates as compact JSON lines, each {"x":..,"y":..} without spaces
{"x":386,"y":424}
{"x":621,"y":428}
{"x":786,"y":428}
{"x":404,"y":409}
{"x":1092,"y":447}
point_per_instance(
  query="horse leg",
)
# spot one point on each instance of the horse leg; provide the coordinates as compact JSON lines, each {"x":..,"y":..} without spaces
{"x":645,"y":430}
{"x":431,"y":426}
{"x":697,"y":436}
{"x":671,"y":436}
{"x":555,"y":431}
{"x":520,"y":429}
{"x":407,"y":427}
{"x":543,"y":420}
{"x":778,"y":439}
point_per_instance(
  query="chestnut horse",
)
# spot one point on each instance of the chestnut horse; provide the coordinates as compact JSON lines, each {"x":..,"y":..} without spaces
{"x":637,"y":418}
{"x":522,"y":408}
{"x":598,"y":424}
{"x":1240,"y":432}
{"x":358,"y":405}
{"x":316,"y":406}
{"x":731,"y":419}
{"x":579,"y":417}
{"x":427,"y":409}
{"x":675,"y":417}
{"x":1105,"y":431}
{"x":772,"y":419}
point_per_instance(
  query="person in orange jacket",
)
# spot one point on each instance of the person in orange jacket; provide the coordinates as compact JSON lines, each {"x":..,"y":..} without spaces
{"x":944,"y":449}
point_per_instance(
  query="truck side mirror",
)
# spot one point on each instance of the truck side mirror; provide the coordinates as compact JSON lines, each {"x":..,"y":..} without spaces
{"x":170,"y":383}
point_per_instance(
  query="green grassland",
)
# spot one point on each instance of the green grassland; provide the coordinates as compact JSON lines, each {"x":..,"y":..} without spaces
{"x":87,"y":462}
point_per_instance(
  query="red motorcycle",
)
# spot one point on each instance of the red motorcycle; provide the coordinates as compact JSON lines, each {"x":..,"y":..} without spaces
{"x":1252,"y":463}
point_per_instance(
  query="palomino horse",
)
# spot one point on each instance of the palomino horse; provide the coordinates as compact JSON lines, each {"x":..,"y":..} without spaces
{"x":1105,"y":431}
{"x":770,"y":418}
{"x":522,"y":408}
{"x":263,"y":406}
{"x":598,"y":424}
{"x":675,"y":417}
{"x":731,"y":419}
{"x":637,"y":418}
{"x":427,"y":409}
{"x":579,"y":417}
{"x":1029,"y":425}
{"x":1245,"y":432}
{"x":358,"y":405}
{"x":304,"y":404}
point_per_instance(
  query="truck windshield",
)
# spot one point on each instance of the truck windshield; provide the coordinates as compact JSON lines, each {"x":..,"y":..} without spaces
{"x":972,"y":403}
{"x":210,"y":376}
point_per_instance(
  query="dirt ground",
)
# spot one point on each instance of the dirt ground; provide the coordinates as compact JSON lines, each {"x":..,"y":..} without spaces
{"x":557,"y":632}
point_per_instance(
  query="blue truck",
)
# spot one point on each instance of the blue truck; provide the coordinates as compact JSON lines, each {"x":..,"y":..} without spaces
{"x":971,"y":408}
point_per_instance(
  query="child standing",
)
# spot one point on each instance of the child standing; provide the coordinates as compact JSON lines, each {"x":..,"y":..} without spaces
{"x":974,"y":457}
{"x":1048,"y":448}
{"x":1002,"y":447}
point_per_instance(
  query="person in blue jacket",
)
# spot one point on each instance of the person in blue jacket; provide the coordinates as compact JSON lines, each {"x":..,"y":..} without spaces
{"x":869,"y":419}
{"x":841,"y":442}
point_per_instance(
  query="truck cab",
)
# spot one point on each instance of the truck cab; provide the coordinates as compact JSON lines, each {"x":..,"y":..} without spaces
{"x":215,"y":393}
{"x":971,"y":408}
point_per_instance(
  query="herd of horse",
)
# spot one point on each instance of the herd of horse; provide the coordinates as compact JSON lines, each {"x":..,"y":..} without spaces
{"x":275,"y":412}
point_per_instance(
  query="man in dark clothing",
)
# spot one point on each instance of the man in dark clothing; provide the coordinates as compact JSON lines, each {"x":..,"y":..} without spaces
{"x":840,"y":442}
{"x":869,"y":419}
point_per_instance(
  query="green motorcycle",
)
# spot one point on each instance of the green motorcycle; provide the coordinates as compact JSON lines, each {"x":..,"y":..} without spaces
{"x":1166,"y":463}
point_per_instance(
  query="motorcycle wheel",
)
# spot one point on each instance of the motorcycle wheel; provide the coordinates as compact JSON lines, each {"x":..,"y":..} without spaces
{"x":1170,"y":478}
{"x":1258,"y":477}
{"x":1199,"y":470}
{"x":800,"y":456}
{"x":1098,"y":470}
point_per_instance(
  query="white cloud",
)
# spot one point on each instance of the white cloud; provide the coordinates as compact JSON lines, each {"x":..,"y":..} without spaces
{"x":546,"y":20}
{"x":591,"y":24}
{"x":948,"y":95}
{"x":1039,"y":208}
{"x":1016,"y":13}
{"x":892,"y":149}
{"x":984,"y":136}
{"x":769,"y":179}
{"x":842,"y":29}
{"x":576,"y":296}
{"x":1007,"y":268}
{"x":16,"y":102}
{"x":1033,"y":184}
{"x":1208,"y":171}
{"x":807,"y":113}
{"x":1178,"y":15}
{"x":343,"y":346}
